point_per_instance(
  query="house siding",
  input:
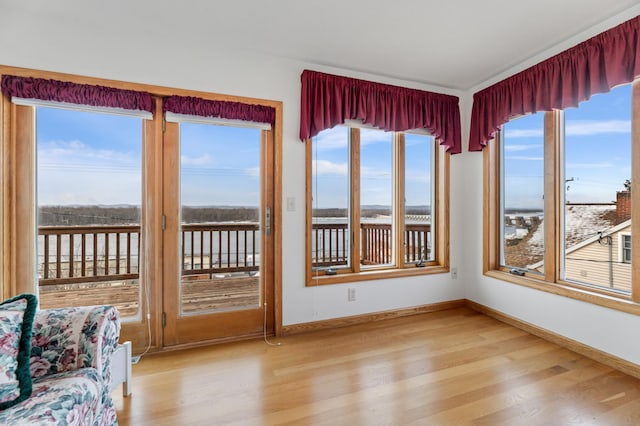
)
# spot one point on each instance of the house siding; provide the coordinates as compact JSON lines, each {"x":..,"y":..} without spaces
{"x":590,"y":264}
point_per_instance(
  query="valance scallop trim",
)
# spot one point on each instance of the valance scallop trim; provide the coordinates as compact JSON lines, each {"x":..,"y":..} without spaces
{"x":564,"y":80}
{"x":329,"y":100}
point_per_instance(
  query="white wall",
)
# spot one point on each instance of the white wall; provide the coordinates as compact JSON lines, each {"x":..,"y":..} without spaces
{"x":204,"y":66}
{"x":605,"y":329}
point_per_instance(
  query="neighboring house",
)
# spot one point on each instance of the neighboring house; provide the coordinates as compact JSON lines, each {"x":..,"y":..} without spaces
{"x":582,"y":221}
{"x":598,"y":241}
{"x":603,"y":260}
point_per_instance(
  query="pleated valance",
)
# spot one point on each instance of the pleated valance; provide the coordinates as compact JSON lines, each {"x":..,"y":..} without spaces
{"x":329,"y":100}
{"x":564,"y":80}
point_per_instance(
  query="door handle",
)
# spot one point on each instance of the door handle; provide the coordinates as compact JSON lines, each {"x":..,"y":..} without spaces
{"x":267,"y":221}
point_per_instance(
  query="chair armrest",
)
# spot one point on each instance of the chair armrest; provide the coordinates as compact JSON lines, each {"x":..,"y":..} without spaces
{"x":66,"y":339}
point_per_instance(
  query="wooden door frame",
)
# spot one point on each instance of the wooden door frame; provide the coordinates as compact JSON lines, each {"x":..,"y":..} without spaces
{"x":16,"y":272}
{"x":177,"y":333}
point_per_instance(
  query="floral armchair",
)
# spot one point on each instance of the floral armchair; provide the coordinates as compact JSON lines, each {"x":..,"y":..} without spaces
{"x":71,"y":350}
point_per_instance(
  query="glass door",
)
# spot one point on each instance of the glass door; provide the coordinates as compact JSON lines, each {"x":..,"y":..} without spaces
{"x":89,"y":196}
{"x":217,"y":251}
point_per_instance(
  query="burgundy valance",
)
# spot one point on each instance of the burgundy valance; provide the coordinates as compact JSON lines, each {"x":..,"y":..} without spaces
{"x":74,"y":93}
{"x":329,"y":100}
{"x":189,"y":105}
{"x":564,"y":80}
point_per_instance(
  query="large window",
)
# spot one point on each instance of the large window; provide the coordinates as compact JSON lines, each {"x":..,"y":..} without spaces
{"x":522,"y":197}
{"x":375,"y":207}
{"x":558,"y":194}
{"x":89,"y":195}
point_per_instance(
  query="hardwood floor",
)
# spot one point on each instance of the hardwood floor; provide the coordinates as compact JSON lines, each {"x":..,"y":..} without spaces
{"x":453,"y":367}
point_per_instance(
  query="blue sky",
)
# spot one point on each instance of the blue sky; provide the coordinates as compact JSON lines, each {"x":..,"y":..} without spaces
{"x":597,"y":152}
{"x":331,"y":168}
{"x":96,"y":158}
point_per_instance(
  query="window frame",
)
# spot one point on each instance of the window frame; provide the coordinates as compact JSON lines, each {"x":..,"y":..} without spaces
{"x":439,"y":228}
{"x":624,"y":257}
{"x":550,"y":281}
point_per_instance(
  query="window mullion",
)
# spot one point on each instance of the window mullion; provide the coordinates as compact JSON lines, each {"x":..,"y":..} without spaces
{"x":492,"y":190}
{"x":22,"y":197}
{"x":354,"y":159}
{"x":635,"y":190}
{"x":399,"y":201}
{"x":552,"y":196}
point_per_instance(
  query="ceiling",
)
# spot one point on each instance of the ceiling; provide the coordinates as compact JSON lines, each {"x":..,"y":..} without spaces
{"x":455,"y":44}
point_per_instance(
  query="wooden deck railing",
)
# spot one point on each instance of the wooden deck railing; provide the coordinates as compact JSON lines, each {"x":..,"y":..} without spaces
{"x":77,"y":254}
{"x":330,"y":243}
{"x":220,"y":248}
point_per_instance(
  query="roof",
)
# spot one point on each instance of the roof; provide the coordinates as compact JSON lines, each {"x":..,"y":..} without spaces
{"x":582,"y":222}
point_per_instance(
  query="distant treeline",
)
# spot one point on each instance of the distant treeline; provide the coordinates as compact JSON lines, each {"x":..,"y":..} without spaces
{"x":371,"y":211}
{"x":125,"y":215}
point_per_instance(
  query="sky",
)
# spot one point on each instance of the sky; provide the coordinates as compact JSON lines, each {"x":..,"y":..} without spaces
{"x":331,"y":168}
{"x":597,"y":152}
{"x":96,"y":158}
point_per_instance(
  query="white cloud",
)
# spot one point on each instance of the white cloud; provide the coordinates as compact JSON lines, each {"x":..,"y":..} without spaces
{"x":368,"y":172}
{"x":577,"y":128}
{"x":195,"y":161}
{"x":368,"y":136}
{"x":335,"y":138}
{"x":523,"y":133}
{"x":518,"y":148}
{"x":74,"y":150}
{"x":252,"y":171}
{"x":338,"y":138}
{"x":324,"y":167}
{"x":592,"y":127}
{"x":524,"y":158}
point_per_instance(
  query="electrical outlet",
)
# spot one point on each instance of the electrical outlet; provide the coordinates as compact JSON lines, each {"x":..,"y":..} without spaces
{"x":454,"y":273}
{"x":351,"y":294}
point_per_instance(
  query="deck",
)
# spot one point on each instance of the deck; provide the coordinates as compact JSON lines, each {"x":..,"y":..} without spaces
{"x":100,"y":264}
{"x":198,"y":295}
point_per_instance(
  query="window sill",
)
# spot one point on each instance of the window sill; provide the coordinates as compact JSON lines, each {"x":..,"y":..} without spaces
{"x":313,"y":281}
{"x":584,"y":295}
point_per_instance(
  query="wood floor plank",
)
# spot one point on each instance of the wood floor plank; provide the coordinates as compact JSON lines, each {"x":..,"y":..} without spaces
{"x":451,"y":367}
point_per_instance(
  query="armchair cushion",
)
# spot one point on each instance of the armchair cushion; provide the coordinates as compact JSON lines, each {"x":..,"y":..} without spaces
{"x":16,"y":320}
{"x":67,"y":339}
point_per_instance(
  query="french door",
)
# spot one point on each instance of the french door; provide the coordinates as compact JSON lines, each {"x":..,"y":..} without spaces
{"x":217,"y":260}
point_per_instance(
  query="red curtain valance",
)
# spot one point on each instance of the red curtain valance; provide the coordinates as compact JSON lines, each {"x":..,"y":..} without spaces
{"x":566,"y":79}
{"x":189,"y":105}
{"x":329,"y":100}
{"x":74,"y":93}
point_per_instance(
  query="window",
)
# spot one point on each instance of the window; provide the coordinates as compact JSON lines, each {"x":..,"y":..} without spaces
{"x":558,"y":193}
{"x":375,"y":204}
{"x":522,"y":201}
{"x":626,"y":248}
{"x":89,"y":196}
